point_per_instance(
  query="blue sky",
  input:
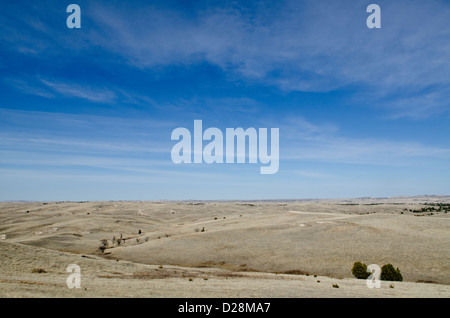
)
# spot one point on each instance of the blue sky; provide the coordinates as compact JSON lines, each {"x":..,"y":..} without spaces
{"x":87,"y":114}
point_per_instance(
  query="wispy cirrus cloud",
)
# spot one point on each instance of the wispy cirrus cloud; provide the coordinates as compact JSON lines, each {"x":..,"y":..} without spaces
{"x":97,"y":95}
{"x":307,"y":46}
{"x":336,"y":149}
{"x":321,"y":142}
{"x":63,"y":88}
{"x":300,"y":46}
{"x":111,"y":93}
{"x":26,"y":87}
{"x":79,"y":122}
{"x":34,"y":135}
{"x":53,"y":88}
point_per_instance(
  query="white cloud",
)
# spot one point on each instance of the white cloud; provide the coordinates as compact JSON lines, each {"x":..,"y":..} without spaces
{"x":335,"y":149}
{"x":81,"y":91}
{"x":304,"y":46}
{"x":25,"y":87}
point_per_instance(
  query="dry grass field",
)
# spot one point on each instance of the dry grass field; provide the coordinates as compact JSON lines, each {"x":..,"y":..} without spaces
{"x":224,"y":249}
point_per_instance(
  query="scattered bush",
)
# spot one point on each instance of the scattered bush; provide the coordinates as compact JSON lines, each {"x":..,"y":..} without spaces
{"x":295,"y":272}
{"x":104,"y":245}
{"x":38,"y":270}
{"x":359,"y":270}
{"x":388,"y":272}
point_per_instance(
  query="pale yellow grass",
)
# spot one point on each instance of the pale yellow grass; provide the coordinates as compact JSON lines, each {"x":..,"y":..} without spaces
{"x":222,"y":249}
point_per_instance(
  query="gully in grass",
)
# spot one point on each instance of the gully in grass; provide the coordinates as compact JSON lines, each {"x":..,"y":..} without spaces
{"x":219,"y":151}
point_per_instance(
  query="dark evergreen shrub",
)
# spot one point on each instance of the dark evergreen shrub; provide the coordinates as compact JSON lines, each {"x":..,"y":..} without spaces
{"x":359,"y":270}
{"x":388,"y":272}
